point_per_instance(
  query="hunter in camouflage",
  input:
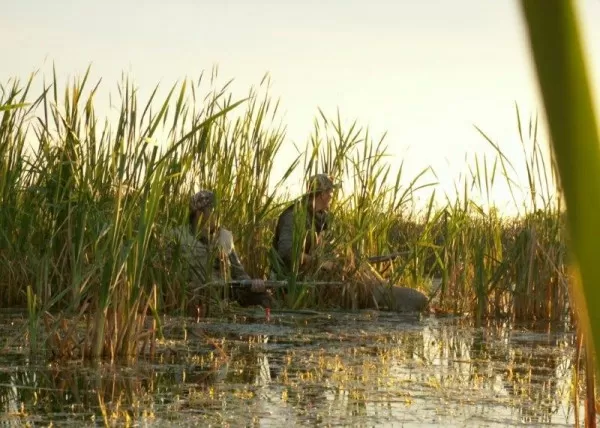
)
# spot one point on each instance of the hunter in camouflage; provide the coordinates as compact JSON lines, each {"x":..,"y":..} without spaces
{"x":309,"y":215}
{"x":209,"y":252}
{"x":300,"y":231}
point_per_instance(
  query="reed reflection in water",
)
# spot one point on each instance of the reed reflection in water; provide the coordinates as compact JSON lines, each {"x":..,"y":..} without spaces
{"x":352,"y":369}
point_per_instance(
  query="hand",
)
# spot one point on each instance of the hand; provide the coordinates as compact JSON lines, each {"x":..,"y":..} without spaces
{"x":328,"y":265}
{"x":258,"y":286}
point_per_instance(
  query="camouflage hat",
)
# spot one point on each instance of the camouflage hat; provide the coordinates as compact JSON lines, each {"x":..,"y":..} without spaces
{"x":202,"y":200}
{"x":322,"y":182}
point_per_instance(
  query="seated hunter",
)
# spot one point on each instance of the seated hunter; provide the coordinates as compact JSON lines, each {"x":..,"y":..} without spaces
{"x":301,"y":249}
{"x":209,"y":251}
{"x":300,"y":230}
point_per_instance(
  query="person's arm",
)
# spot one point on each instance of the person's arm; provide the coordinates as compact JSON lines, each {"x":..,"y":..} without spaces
{"x":237,"y":269}
{"x":198,"y":256}
{"x":225,"y":243}
{"x":306,"y":259}
{"x":285,"y":241}
{"x":323,"y":239}
{"x":239,"y":273}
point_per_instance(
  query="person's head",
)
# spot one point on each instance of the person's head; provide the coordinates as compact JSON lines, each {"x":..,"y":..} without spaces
{"x":320,"y":191}
{"x":202,"y":211}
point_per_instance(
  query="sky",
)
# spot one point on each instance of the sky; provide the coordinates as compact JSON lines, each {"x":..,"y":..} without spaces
{"x":425,"y":72}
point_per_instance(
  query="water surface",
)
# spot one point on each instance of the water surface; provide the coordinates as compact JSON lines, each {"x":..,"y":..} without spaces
{"x":305,"y":369}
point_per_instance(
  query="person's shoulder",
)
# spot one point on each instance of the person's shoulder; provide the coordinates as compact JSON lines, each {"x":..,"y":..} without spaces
{"x":182,"y":235}
{"x":179,"y":233}
{"x":294,"y":206}
{"x":288,"y":211}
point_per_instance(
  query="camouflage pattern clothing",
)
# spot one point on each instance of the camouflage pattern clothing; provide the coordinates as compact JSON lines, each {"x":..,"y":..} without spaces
{"x":298,"y":230}
{"x":202,"y":199}
{"x":215,"y":259}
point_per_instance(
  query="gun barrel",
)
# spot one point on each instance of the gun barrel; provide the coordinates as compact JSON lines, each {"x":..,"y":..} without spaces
{"x":271,"y":283}
{"x":386,"y":257}
{"x":281,"y":284}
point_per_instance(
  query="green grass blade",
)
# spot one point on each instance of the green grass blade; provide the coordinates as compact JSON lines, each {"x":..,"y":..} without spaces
{"x":561,"y":70}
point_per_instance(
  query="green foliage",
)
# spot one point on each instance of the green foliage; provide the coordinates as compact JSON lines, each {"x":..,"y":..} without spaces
{"x":88,"y":204}
{"x":559,"y":59}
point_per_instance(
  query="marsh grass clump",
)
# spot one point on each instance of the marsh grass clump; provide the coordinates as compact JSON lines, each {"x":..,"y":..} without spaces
{"x":88,"y":205}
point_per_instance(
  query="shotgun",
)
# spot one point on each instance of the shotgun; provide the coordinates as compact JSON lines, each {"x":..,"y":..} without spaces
{"x":282,"y":284}
{"x":268,"y":283}
{"x":387,"y":257}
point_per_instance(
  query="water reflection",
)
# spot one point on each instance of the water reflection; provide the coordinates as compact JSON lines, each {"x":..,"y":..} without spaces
{"x":349,"y":369}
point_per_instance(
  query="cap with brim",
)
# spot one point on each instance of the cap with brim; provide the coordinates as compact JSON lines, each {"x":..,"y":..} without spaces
{"x":202,"y":200}
{"x":321,"y":183}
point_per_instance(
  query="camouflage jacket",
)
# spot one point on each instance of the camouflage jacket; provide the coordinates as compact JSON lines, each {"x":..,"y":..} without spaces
{"x":298,"y":229}
{"x":209,"y":259}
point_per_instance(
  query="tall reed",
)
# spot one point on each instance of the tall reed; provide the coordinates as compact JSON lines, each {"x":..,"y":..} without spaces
{"x":89,"y":203}
{"x":562,"y":75}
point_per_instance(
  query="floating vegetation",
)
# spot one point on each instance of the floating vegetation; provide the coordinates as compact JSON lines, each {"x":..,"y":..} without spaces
{"x":359,"y":368}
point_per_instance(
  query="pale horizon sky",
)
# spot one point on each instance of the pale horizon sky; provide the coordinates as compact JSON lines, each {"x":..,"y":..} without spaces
{"x":424,"y":72}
